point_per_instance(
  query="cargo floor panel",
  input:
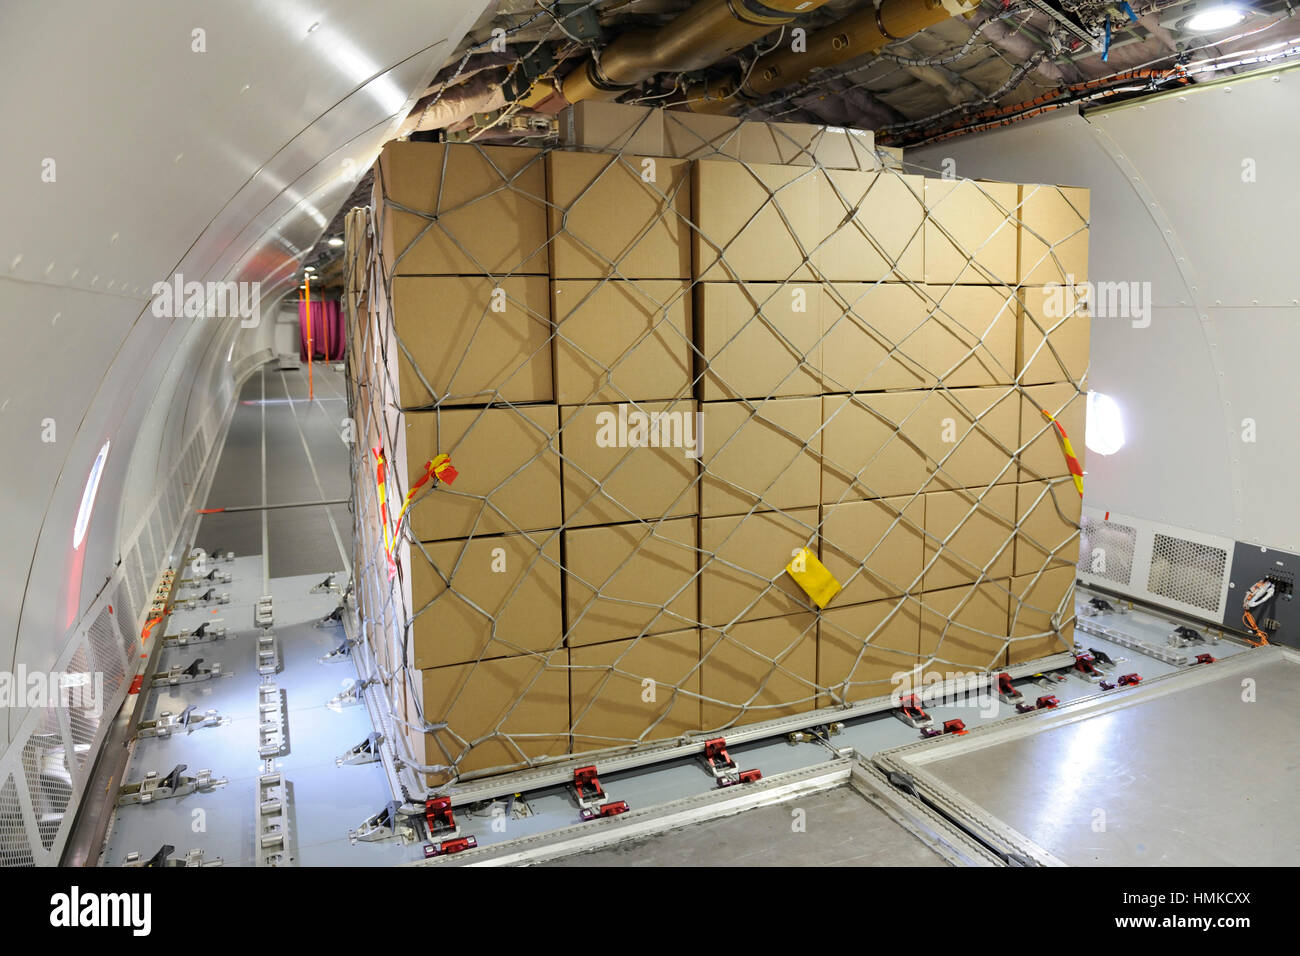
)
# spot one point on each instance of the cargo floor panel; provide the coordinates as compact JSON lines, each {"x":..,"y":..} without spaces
{"x":835,"y":827}
{"x":1121,"y":780}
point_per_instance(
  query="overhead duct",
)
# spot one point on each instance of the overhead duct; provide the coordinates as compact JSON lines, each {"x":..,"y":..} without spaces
{"x":699,"y":37}
{"x":857,"y":35}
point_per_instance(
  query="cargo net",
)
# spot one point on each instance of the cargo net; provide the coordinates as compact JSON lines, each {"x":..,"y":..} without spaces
{"x":603,"y":567}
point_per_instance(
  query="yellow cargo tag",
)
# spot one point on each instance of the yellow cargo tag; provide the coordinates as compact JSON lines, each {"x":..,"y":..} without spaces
{"x":811,"y":575}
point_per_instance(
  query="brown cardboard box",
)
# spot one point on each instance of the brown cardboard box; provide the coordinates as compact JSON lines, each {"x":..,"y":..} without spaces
{"x":1053,"y":234}
{"x":621,"y":340}
{"x":759,"y":340}
{"x":742,"y":565}
{"x":624,"y":580}
{"x":474,"y":340}
{"x":969,"y":338}
{"x":1043,"y":455}
{"x":497,"y":713}
{"x":490,"y":202}
{"x":874,"y":548}
{"x":501,"y":454}
{"x":1058,"y":316}
{"x":608,"y":694}
{"x":623,"y":216}
{"x":890,"y":156}
{"x":969,"y":530}
{"x":1047,"y":513}
{"x":484,"y":597}
{"x":883,"y":238}
{"x":1042,"y":596}
{"x":704,"y":136}
{"x":613,"y":128}
{"x":965,"y":628}
{"x":625,"y":461}
{"x":871,"y":337}
{"x":759,"y":670}
{"x":969,"y":434}
{"x":863,"y":650}
{"x":763,"y":454}
{"x":756,"y":222}
{"x":864,"y":455}
{"x":971,"y":232}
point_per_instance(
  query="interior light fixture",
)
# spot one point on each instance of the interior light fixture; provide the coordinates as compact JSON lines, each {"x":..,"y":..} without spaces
{"x":336,"y":241}
{"x":1218,"y":17}
{"x":1105,"y":431}
{"x":88,"y":498}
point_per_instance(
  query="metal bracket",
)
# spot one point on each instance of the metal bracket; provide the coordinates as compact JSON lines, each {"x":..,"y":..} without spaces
{"x":272,"y":738}
{"x":365,"y":752}
{"x":205,"y":633}
{"x":333,"y":619}
{"x":208,"y":598}
{"x":326,"y":586}
{"x":910,"y":712}
{"x":176,"y":784}
{"x":168,"y":723}
{"x":192,"y":674}
{"x":1007,"y":692}
{"x":264,"y":611}
{"x":821,"y":732}
{"x":215,"y":576}
{"x":268,"y":654}
{"x":164,"y":858}
{"x":387,"y":824}
{"x":341,"y":653}
{"x":723,"y":768}
{"x":272,"y":820}
{"x":348,"y":698}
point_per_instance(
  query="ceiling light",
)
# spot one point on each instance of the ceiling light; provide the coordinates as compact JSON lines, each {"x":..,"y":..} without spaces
{"x":1105,"y":431}
{"x":309,"y":269}
{"x":1215,"y":18}
{"x":336,"y":240}
{"x":88,"y":498}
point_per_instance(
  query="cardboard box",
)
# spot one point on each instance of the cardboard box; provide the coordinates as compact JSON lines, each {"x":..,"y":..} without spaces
{"x":1053,"y":341}
{"x":1053,"y":234}
{"x":613,"y":128}
{"x":868,"y":650}
{"x":704,"y":136}
{"x":484,"y":597}
{"x":626,"y":580}
{"x":490,"y":202}
{"x":1042,"y":455}
{"x":965,"y":628}
{"x":969,"y":338}
{"x":871,"y":227}
{"x":622,"y":216}
{"x":764,"y":455}
{"x":757,"y":222}
{"x":629,"y":461}
{"x":863,"y":453}
{"x":969,"y":434}
{"x":874,"y":548}
{"x":969,"y":534}
{"x":759,"y":340}
{"x":1047,"y":513}
{"x":891,"y":157}
{"x":608,"y":690}
{"x":758,"y":671}
{"x":499,"y":714}
{"x":1042,"y":623}
{"x":971,"y":232}
{"x":509,"y":474}
{"x":474,"y":340}
{"x":870,"y":337}
{"x":742,"y":565}
{"x":621,"y":340}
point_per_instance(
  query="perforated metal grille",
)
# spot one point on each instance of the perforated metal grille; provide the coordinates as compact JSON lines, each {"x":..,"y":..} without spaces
{"x":105,"y":652}
{"x":1106,"y":550}
{"x":15,"y":849}
{"x":124,"y":614}
{"x":1186,"y":571}
{"x":83,"y":721}
{"x":48,"y":781}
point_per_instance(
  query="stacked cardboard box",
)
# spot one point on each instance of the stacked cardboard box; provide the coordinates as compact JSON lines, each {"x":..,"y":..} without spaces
{"x":664,"y":361}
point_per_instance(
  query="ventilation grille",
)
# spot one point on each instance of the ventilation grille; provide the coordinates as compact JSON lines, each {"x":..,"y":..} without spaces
{"x":106,"y":653}
{"x":15,"y":848}
{"x":49,"y":781}
{"x":1188,"y":572}
{"x":83,"y":721}
{"x":124,"y":612}
{"x":1106,"y":550}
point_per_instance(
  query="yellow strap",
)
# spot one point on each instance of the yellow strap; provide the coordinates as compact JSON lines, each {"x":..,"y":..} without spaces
{"x":811,"y":575}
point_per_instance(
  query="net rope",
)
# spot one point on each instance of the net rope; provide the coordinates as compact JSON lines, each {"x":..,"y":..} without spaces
{"x":375,"y":401}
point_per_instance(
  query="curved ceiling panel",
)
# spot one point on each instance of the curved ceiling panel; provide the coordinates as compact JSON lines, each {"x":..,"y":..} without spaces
{"x":148,"y":138}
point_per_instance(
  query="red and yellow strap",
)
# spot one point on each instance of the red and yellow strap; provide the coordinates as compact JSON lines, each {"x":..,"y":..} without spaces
{"x":1071,"y":460}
